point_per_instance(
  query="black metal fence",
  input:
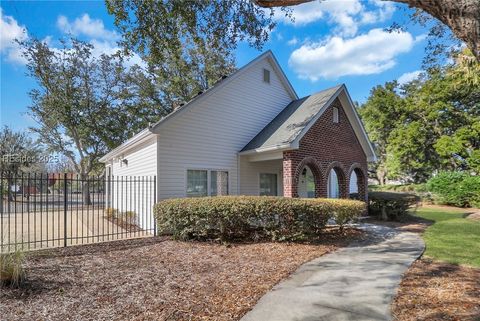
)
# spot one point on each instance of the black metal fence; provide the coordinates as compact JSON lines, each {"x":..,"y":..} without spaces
{"x":43,"y":210}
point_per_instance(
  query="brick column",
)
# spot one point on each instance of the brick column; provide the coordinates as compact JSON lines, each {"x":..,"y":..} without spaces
{"x":289,"y":184}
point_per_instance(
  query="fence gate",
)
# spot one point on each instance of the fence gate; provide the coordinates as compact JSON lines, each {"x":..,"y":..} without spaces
{"x":42,"y":210}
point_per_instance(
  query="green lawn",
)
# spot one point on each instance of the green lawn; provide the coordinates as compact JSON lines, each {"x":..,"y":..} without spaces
{"x":451,"y":238}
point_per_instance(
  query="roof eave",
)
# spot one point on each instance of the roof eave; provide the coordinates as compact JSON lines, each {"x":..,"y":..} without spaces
{"x":132,"y":142}
{"x":275,"y":148}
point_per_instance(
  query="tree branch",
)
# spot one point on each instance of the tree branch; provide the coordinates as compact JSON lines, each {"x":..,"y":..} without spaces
{"x":461,"y":16}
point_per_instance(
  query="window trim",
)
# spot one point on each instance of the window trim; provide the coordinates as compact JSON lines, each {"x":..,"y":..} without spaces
{"x":209,"y":178}
{"x":272,"y":173}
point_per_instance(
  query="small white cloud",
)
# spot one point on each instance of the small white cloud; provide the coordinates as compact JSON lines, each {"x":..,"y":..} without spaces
{"x":370,"y":53}
{"x":292,"y":42}
{"x":408,"y":77}
{"x":346,"y":16}
{"x":84,"y":25}
{"x":302,"y":14}
{"x":10,"y":31}
{"x":105,"y":47}
{"x":421,"y":37}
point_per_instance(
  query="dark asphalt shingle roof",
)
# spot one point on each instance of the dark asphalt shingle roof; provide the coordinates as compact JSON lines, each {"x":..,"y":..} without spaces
{"x":287,"y":125}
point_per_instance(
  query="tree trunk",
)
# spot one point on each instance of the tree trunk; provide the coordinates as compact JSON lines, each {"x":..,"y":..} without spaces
{"x":86,"y":190}
{"x":461,"y":16}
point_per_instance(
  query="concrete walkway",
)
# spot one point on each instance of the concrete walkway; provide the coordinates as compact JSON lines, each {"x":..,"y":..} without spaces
{"x":355,"y":283}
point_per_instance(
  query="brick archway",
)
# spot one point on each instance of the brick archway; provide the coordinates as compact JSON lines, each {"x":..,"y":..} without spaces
{"x":292,"y":171}
{"x":361,"y":180}
{"x":341,"y":177}
{"x":311,"y":163}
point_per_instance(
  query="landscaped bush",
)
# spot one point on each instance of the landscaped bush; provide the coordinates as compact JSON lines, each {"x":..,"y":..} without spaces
{"x":455,"y":188}
{"x":123,"y":219}
{"x":251,"y":217}
{"x":110,"y":212}
{"x":389,"y":205}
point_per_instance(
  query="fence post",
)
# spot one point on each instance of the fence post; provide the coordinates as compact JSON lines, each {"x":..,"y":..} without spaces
{"x":154,"y":202}
{"x":65,"y":204}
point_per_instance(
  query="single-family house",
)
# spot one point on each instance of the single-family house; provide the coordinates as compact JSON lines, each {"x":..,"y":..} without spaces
{"x":250,"y":134}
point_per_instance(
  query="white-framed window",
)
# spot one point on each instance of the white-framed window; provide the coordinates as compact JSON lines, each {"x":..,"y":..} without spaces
{"x":335,"y":115}
{"x":218,"y":183}
{"x":203,"y":182}
{"x":266,"y":76}
{"x":268,"y":184}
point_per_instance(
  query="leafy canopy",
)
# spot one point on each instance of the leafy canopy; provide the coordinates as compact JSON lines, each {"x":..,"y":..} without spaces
{"x":429,"y":124}
{"x":84,"y":105}
{"x":188,"y":45}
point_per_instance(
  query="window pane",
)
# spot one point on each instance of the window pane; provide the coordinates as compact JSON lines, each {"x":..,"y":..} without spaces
{"x":268,"y":184}
{"x":218,"y":183}
{"x":196,"y":183}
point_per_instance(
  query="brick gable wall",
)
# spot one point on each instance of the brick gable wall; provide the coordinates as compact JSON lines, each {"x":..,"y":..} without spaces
{"x":327,"y":146}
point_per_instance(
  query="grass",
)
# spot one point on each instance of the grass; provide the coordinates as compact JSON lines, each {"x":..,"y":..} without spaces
{"x":451,"y":238}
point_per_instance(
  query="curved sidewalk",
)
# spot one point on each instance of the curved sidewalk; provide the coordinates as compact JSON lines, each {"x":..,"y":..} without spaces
{"x":354,"y":283}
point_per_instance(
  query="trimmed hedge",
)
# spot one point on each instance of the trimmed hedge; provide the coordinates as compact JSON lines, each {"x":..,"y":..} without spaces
{"x":251,"y":217}
{"x":455,"y":188}
{"x":389,"y":205}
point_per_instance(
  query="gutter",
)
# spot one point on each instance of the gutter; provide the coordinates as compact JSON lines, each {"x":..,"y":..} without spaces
{"x":275,"y":148}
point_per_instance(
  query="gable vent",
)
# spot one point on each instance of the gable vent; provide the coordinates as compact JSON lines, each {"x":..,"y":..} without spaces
{"x":266,"y":76}
{"x":335,"y":115}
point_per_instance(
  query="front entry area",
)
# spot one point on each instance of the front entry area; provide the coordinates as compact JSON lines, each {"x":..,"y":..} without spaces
{"x":313,"y":178}
{"x":277,"y":175}
{"x":306,"y":184}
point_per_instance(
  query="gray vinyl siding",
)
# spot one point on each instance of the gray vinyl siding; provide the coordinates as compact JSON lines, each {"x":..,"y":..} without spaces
{"x":142,"y":160}
{"x":250,"y":175}
{"x":133,"y":185}
{"x":210,"y":134}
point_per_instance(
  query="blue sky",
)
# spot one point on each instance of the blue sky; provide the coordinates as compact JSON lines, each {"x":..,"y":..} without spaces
{"x":330,"y":42}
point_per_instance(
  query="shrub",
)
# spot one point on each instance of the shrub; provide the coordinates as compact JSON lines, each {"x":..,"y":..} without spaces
{"x":251,"y":217}
{"x":346,"y":211}
{"x":11,"y":269}
{"x":455,"y":188}
{"x":390,"y":205}
{"x":110,"y":212}
{"x":129,"y":217}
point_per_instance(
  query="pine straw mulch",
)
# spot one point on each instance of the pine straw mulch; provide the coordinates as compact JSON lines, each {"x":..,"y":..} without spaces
{"x":435,"y":291}
{"x":157,"y":279}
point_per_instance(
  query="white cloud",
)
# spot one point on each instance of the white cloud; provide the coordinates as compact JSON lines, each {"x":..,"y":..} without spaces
{"x":84,"y":25}
{"x":346,"y":15}
{"x":408,"y":77}
{"x":105,"y":47}
{"x":302,"y":14}
{"x":370,"y":53}
{"x":103,"y":40}
{"x":9,"y":31}
{"x":293,"y":41}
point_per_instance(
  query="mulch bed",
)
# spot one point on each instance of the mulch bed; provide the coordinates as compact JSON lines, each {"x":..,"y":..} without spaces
{"x":157,"y":279}
{"x":438,"y":291}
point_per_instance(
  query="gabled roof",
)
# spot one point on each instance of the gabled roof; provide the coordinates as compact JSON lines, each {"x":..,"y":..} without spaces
{"x":224,"y":81}
{"x":148,"y":132}
{"x":284,"y":128}
{"x":287,"y":129}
